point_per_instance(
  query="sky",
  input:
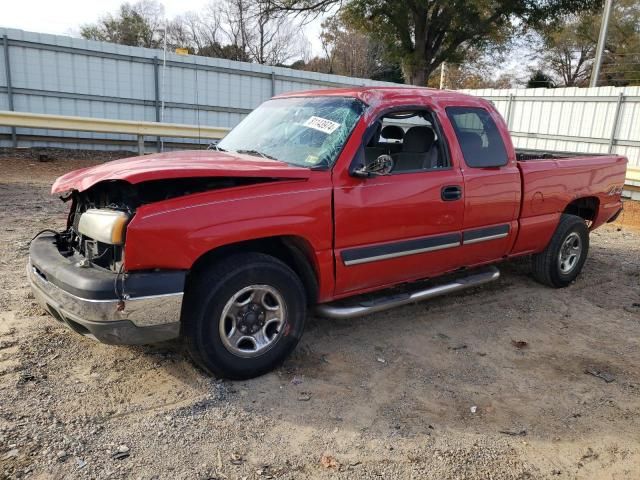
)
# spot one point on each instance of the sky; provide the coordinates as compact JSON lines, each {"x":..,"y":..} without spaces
{"x":64,"y":17}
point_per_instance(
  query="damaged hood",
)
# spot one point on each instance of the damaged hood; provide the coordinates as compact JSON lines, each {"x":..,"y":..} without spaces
{"x":183,"y":164}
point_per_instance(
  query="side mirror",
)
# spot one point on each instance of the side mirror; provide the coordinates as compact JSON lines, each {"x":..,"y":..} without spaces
{"x":383,"y":165}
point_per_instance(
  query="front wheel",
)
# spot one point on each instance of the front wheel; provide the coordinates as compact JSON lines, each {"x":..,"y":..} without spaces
{"x":561,"y":262}
{"x":244,"y":315}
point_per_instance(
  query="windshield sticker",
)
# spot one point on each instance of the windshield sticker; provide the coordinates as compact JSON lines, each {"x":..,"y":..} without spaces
{"x":322,"y":125}
{"x":311,"y":159}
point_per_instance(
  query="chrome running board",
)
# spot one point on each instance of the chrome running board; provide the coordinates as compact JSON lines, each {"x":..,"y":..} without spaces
{"x":333,"y":310}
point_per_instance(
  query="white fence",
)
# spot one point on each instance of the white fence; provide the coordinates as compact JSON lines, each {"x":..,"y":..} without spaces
{"x":589,"y":120}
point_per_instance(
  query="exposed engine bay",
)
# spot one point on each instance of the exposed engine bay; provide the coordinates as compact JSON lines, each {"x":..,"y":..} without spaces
{"x":119,"y":199}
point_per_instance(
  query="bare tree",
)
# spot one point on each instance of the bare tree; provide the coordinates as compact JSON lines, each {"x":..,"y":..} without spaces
{"x":200,"y":34}
{"x":352,"y":53}
{"x":244,"y":30}
{"x":263,"y":35}
{"x":567,"y":49}
{"x":208,"y":26}
{"x":235,"y":24}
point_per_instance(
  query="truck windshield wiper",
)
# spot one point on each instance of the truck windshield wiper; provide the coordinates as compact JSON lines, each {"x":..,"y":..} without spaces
{"x":256,"y":152}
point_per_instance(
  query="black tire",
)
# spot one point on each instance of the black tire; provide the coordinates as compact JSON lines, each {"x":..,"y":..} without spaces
{"x":208,"y":297}
{"x":546,"y":265}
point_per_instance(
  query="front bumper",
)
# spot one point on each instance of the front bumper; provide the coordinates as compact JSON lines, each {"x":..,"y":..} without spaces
{"x":84,"y":298}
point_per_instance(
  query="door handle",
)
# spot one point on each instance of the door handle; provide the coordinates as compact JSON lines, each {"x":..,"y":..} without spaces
{"x":451,"y":192}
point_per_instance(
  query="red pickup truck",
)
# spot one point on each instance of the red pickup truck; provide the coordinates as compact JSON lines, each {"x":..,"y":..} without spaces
{"x":322,"y":199}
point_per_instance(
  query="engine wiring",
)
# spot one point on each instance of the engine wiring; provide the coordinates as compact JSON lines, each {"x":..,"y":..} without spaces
{"x":98,"y":257}
{"x":44,"y":231}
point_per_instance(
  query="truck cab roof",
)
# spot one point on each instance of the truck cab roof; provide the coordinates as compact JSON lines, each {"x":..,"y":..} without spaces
{"x":371,"y":95}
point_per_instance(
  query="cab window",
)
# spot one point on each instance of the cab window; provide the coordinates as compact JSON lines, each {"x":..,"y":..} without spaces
{"x":478,"y":136}
{"x":410,"y":138}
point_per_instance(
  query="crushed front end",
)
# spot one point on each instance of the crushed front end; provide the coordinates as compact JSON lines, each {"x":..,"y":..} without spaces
{"x":79,"y":275}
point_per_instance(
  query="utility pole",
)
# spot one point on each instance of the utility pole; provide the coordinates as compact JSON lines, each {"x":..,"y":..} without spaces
{"x":443,"y":73}
{"x":595,"y":73}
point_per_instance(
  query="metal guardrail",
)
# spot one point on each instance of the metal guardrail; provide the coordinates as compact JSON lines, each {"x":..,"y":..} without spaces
{"x":103,"y":125}
{"x":142,"y":129}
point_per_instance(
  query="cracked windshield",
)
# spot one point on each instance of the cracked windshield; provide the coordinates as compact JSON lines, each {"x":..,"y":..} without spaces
{"x":306,"y":132}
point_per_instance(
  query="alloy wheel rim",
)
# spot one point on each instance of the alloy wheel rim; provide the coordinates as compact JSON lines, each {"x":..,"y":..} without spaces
{"x":252,"y":321}
{"x":570,"y":253}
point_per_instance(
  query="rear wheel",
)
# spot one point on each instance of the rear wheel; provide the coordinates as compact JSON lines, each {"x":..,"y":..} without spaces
{"x":244,"y":315}
{"x":561,"y":262}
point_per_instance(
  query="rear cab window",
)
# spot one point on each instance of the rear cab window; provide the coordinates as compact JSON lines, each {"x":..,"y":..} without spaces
{"x":478,"y":136}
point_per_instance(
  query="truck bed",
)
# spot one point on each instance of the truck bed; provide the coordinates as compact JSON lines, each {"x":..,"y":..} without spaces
{"x":550,"y":182}
{"x":526,"y":155}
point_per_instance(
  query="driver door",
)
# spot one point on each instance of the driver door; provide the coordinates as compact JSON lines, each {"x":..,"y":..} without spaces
{"x":396,"y":228}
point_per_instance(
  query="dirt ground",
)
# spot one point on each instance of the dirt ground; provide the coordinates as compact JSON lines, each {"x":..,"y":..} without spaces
{"x":437,"y":390}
